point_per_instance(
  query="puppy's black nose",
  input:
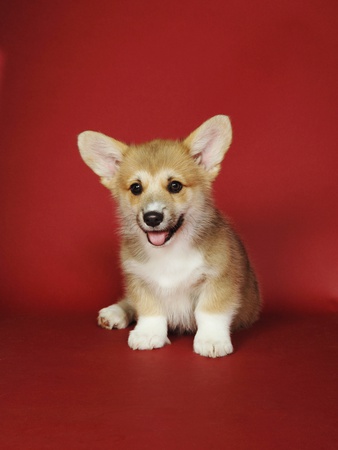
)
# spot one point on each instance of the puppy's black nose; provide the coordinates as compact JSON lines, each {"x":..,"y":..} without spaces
{"x":153,"y":218}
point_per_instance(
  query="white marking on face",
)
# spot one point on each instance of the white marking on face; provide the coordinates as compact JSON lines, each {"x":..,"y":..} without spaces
{"x":154,"y":206}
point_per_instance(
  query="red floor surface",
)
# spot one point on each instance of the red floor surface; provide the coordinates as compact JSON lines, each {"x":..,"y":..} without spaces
{"x":68,"y":384}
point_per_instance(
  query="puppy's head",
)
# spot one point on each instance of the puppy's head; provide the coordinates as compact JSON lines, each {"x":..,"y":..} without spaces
{"x":159,"y":185}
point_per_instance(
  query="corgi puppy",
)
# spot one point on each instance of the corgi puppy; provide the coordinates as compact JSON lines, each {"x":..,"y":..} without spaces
{"x":185,"y":268}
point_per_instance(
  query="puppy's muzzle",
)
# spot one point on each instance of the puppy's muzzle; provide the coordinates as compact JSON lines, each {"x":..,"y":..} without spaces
{"x":160,"y":237}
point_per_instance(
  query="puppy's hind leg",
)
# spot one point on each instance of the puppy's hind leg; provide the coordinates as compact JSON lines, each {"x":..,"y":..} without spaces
{"x":119,"y":315}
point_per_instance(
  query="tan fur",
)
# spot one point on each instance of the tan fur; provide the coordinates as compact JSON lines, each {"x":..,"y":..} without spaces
{"x":221,"y":277}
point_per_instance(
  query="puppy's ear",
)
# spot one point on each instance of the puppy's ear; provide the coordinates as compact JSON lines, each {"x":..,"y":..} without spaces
{"x":209,"y":143}
{"x":101,"y":153}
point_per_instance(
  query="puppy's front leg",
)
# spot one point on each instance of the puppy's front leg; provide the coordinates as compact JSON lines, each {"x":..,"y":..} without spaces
{"x":214,"y":313}
{"x":150,"y":332}
{"x":151,"y":328}
{"x":213,"y":334}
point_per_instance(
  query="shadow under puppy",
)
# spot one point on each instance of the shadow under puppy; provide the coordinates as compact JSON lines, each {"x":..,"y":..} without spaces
{"x":185,"y":268}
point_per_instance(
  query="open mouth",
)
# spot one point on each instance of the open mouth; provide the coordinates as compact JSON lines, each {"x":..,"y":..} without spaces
{"x":159,"y":238}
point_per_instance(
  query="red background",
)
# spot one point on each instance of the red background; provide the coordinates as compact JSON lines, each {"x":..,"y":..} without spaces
{"x":140,"y":70}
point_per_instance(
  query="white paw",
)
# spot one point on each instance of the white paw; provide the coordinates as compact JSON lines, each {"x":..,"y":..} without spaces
{"x":112,"y":317}
{"x":149,"y":333}
{"x":213,"y":334}
{"x":212,"y":346}
{"x":140,"y":340}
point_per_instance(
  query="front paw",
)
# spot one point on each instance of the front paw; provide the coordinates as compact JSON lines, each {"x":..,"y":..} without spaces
{"x":150,"y":332}
{"x":212,"y":346}
{"x":112,"y":317}
{"x":142,"y":340}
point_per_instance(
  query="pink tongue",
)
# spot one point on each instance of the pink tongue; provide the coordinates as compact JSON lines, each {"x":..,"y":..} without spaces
{"x":157,"y":237}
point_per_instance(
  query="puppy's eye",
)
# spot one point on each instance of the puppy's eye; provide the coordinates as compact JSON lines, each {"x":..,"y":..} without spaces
{"x":136,"y":188}
{"x":174,"y":187}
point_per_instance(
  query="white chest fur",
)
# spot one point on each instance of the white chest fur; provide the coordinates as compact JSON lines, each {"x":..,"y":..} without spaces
{"x":169,"y":268}
{"x":171,"y":273}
